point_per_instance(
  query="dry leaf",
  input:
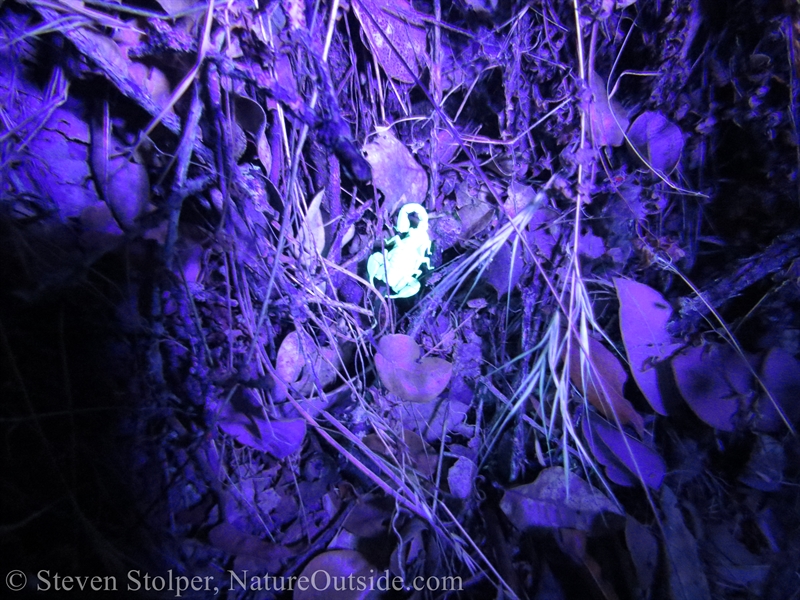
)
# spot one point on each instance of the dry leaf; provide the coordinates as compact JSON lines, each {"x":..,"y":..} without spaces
{"x":780,"y":374}
{"x":312,"y":231}
{"x":607,"y":116}
{"x":687,"y":578}
{"x":506,"y":268}
{"x":395,"y":35}
{"x":123,"y":184}
{"x":710,"y":380}
{"x":416,"y":451}
{"x":152,"y":80}
{"x":605,"y":381}
{"x":370,"y":517}
{"x":405,"y":375}
{"x":643,"y":317}
{"x":281,"y":438}
{"x":461,"y":477}
{"x":473,"y":211}
{"x":548,"y":503}
{"x":641,"y":462}
{"x":658,"y":140}
{"x":229,"y":539}
{"x":302,"y":364}
{"x":395,"y":172}
{"x":643,"y":549}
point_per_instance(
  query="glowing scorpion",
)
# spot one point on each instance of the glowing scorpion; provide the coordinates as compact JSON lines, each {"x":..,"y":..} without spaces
{"x":400,"y":266}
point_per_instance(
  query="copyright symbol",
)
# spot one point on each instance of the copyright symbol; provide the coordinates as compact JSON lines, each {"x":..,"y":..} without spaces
{"x":16,"y":580}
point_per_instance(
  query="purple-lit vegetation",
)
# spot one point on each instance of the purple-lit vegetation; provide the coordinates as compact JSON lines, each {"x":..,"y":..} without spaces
{"x":498,"y":292}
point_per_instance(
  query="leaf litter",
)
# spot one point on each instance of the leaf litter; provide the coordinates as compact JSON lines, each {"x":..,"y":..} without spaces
{"x":601,"y":368}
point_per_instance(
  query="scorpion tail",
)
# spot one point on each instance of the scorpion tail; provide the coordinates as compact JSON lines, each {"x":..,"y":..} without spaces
{"x":404,"y":223}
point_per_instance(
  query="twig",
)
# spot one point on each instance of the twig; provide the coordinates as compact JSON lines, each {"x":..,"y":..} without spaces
{"x":749,"y":271}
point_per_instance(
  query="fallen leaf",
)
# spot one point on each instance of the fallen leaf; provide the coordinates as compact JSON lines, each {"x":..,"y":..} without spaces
{"x":414,"y":451}
{"x":643,"y":317}
{"x":591,"y":246}
{"x":547,"y":503}
{"x":461,"y":477}
{"x":658,"y":140}
{"x":615,"y":470}
{"x":405,"y":375}
{"x":544,"y":233}
{"x":604,"y":384}
{"x":370,"y":517}
{"x":312,"y":231}
{"x":302,"y":364}
{"x":505,"y":270}
{"x":733,"y":563}
{"x":447,"y":146}
{"x":643,"y":548}
{"x":701,"y":373}
{"x":176,"y":7}
{"x":229,"y":539}
{"x":609,"y":5}
{"x":250,"y":116}
{"x":474,"y":212}
{"x":395,"y":172}
{"x":152,"y":80}
{"x":122,"y":183}
{"x":519,"y":196}
{"x":395,"y":35}
{"x":424,"y":458}
{"x":409,"y":553}
{"x":434,"y":420}
{"x":279,"y":437}
{"x":292,"y":355}
{"x":642,"y":462}
{"x":780,"y":374}
{"x":258,"y":491}
{"x":607,"y":117}
{"x":687,"y":580}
